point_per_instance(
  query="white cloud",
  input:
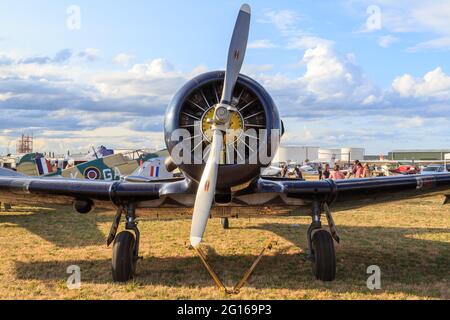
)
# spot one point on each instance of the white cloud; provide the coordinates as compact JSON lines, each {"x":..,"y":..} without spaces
{"x":62,"y":56}
{"x":81,"y":141}
{"x":412,"y":15}
{"x":73,"y":103}
{"x":286,"y":22}
{"x":261,"y":44}
{"x":89,"y":54}
{"x":156,"y":80}
{"x":5,"y":96}
{"x":5,"y":59}
{"x":409,"y":123}
{"x":331,"y":76}
{"x":432,"y":15}
{"x":123,"y":59}
{"x":252,"y":69}
{"x":155,"y":67}
{"x":371,"y":100}
{"x":435,"y":44}
{"x":307,"y":42}
{"x":283,"y":20}
{"x":416,"y":16}
{"x":386,"y":41}
{"x":434,"y":85}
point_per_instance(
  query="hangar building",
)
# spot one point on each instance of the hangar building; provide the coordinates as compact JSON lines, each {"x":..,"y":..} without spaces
{"x":341,"y":154}
{"x":299,"y":154}
{"x":296,"y":154}
{"x":418,"y":155}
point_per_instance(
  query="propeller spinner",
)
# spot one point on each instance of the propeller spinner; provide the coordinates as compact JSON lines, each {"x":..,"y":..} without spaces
{"x":220,"y":123}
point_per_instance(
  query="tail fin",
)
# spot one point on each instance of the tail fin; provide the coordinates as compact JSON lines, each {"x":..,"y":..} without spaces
{"x":34,"y":164}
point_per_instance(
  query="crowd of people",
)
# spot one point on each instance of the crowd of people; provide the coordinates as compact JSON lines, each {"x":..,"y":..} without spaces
{"x":297,"y":171}
{"x":357,"y":171}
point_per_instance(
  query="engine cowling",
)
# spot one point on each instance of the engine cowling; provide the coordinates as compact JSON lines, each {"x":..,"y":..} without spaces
{"x":194,"y":103}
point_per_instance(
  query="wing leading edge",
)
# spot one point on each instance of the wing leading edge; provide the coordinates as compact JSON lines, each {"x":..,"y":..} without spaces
{"x":347,"y":194}
{"x":342,"y":194}
{"x":25,"y":190}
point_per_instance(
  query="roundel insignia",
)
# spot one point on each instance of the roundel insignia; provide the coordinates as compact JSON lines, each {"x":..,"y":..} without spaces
{"x":92,"y":174}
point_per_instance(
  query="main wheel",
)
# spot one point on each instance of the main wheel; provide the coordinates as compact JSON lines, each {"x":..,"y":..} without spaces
{"x":123,"y":257}
{"x":324,"y":264}
{"x":225,"y":223}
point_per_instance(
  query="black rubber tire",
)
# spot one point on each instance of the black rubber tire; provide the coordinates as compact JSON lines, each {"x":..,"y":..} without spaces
{"x":225,"y":223}
{"x":123,"y":259}
{"x":324,"y":265}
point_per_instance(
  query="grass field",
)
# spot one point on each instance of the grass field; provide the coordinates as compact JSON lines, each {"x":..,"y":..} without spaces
{"x":409,"y":241}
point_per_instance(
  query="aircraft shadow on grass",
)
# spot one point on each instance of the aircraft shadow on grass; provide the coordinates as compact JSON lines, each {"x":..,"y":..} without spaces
{"x":65,"y":230}
{"x":403,"y":260}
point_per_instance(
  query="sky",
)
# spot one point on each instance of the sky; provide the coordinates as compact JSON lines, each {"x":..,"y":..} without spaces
{"x":349,"y":73}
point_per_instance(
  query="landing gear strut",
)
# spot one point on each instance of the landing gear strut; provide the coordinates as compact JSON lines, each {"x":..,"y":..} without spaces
{"x":126,"y":245}
{"x":321,"y":246}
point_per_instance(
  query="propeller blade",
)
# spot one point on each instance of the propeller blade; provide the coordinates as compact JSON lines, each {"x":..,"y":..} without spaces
{"x":206,"y":190}
{"x":236,"y":53}
{"x":207,"y":187}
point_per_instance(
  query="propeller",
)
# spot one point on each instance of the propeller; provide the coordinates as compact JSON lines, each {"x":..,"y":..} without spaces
{"x":220,"y":123}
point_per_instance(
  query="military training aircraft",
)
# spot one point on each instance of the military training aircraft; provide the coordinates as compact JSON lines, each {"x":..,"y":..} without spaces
{"x":216,"y":186}
{"x":109,"y":167}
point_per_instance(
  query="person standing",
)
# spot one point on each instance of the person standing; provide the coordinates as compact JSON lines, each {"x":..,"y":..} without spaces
{"x":320,"y":170}
{"x":298,"y":173}
{"x":283,"y":171}
{"x":366,"y":171}
{"x":357,"y":170}
{"x":326,"y":172}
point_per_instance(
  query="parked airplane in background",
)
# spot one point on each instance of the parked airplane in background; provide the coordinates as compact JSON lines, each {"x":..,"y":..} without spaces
{"x":151,"y":170}
{"x":109,"y":168}
{"x":105,"y":167}
{"x":433,"y":169}
{"x":218,"y":187}
{"x":405,"y":169}
{"x":35,"y":165}
{"x":271,"y":171}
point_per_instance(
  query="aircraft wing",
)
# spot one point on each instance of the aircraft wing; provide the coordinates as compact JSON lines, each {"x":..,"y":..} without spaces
{"x":342,"y":194}
{"x":20,"y":189}
{"x":353,"y":193}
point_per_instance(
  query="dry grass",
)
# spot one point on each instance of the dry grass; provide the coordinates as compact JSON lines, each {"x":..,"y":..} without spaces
{"x":410,"y":241}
